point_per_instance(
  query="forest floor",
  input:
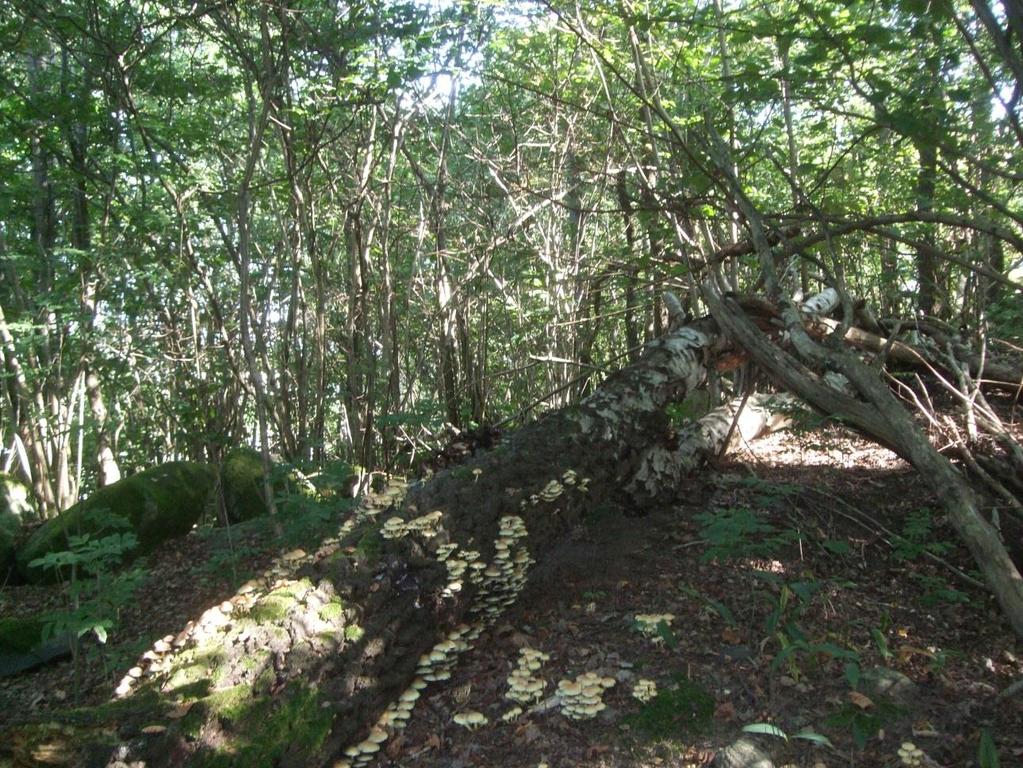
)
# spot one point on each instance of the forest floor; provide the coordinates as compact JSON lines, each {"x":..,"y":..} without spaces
{"x":810,"y":585}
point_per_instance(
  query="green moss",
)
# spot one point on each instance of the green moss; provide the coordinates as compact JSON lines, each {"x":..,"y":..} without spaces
{"x":193,"y":666}
{"x":462,"y":473}
{"x":270,"y":608}
{"x":231,"y":704}
{"x":20,"y":635}
{"x":354,"y":633}
{"x":262,"y":730}
{"x":370,"y":545}
{"x":241,"y":482}
{"x":256,"y":660}
{"x":332,"y":611}
{"x":159,"y":504}
{"x":680,"y":712}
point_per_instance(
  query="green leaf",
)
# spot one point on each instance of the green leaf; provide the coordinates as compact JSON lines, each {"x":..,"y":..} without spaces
{"x":665,"y":633}
{"x":881,"y":643}
{"x":816,"y":738}
{"x":852,"y":674}
{"x":987,"y":752}
{"x":766,"y":729}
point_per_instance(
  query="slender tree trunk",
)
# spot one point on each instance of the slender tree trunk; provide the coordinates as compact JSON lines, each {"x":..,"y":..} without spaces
{"x":926,"y":263}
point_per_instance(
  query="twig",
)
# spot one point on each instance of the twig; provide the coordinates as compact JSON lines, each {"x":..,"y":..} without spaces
{"x":873,"y":524}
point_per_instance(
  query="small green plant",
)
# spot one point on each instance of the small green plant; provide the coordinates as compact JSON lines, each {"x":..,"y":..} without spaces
{"x":679,"y":711}
{"x":773,"y":495}
{"x":223,"y":564}
{"x":716,"y":606}
{"x":938,"y":592}
{"x":837,"y":546}
{"x":916,"y":537}
{"x":737,"y":534}
{"x":790,"y":600}
{"x":865,"y":723}
{"x":93,"y":594}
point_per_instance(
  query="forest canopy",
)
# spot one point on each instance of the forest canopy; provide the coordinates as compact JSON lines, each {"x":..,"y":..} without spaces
{"x":329,"y":229}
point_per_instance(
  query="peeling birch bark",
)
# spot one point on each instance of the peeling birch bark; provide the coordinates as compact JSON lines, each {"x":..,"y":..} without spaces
{"x":663,"y":469}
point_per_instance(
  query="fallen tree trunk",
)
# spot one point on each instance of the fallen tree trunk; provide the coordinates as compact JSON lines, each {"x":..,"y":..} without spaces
{"x":308,"y":664}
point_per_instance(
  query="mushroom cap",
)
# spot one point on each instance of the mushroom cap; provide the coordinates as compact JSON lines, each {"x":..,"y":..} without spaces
{"x":569,"y":688}
{"x":377,"y":736}
{"x":410,"y":694}
{"x":368,"y":747}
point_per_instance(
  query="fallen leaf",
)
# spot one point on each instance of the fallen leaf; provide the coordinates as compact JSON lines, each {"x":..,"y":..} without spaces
{"x":152,"y":730}
{"x":527,"y":733}
{"x":861,"y":701}
{"x":924,"y":728}
{"x":724,"y":711}
{"x":730,"y":635}
{"x":395,"y":747}
{"x":181,"y":710}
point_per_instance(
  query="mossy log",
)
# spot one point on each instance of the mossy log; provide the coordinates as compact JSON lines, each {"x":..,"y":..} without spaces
{"x":158,"y":504}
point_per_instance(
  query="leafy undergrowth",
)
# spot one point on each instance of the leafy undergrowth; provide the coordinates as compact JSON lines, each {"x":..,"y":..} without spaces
{"x":804,"y":590}
{"x":180,"y":581}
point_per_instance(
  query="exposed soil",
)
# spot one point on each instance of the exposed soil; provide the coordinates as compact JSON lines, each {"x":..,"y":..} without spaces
{"x":845,"y":602}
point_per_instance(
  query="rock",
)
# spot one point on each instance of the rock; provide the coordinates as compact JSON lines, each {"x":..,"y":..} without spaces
{"x":156,"y":505}
{"x":742,"y":753}
{"x":883,"y":681}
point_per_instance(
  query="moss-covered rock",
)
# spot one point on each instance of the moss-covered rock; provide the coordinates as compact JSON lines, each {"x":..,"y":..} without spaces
{"x":241,"y":482}
{"x":159,"y":504}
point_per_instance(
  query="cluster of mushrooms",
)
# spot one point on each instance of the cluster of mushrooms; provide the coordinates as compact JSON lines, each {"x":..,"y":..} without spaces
{"x":644,"y":690}
{"x":581,"y":698}
{"x":648,"y":623}
{"x":505,"y":577}
{"x":470,"y":719}
{"x":438,"y":663}
{"x":910,"y":754}
{"x":424,"y":525}
{"x":523,"y":686}
{"x":555,"y":488}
